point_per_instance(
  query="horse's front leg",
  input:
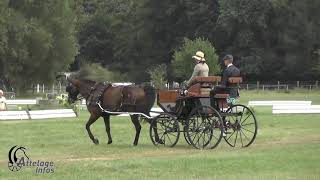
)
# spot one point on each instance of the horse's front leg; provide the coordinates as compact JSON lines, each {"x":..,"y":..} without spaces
{"x":107,"y":124}
{"x":91,"y":120}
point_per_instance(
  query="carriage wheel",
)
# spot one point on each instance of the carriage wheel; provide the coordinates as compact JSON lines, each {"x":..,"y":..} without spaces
{"x":204,"y":127}
{"x":186,"y":135}
{"x":164,"y":130}
{"x":240,"y":125}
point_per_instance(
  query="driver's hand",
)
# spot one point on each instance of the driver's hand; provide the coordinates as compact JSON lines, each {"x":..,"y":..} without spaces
{"x":183,"y":92}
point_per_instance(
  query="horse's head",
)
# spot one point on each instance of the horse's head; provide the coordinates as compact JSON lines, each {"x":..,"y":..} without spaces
{"x":73,"y":93}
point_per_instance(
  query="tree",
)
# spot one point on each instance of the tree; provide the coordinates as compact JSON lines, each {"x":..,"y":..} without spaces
{"x":158,"y":76}
{"x":183,"y":64}
{"x":40,"y":41}
{"x":99,"y":73}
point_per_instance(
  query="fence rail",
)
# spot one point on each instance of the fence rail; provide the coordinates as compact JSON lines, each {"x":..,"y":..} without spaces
{"x":309,"y":85}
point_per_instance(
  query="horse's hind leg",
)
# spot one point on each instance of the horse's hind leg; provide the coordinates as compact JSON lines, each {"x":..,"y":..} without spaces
{"x":135,"y":121}
{"x":107,"y":124}
{"x":91,"y":120}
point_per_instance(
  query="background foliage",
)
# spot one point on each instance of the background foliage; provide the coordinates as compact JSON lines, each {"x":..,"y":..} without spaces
{"x":183,"y":62}
{"x":38,"y":39}
{"x":158,"y":76}
{"x":98,"y":73}
{"x":270,"y":39}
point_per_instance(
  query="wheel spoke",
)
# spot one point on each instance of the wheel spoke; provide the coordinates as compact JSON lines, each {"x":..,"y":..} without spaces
{"x":194,"y":137}
{"x":204,"y":139}
{"x":214,"y":136}
{"x":172,"y":134}
{"x":199,"y":136}
{"x":244,"y":135}
{"x":241,"y":139}
{"x":247,"y":124}
{"x":169,"y":138}
{"x":231,"y":135}
{"x":245,"y":119}
{"x":247,"y":130}
{"x":235,"y":140}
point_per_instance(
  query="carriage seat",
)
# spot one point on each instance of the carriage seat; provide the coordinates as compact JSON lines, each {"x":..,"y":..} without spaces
{"x":234,"y":82}
{"x":201,"y":86}
{"x":205,"y":81}
{"x":221,"y":96}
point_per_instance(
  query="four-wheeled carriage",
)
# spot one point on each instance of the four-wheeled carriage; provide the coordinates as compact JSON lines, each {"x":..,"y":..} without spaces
{"x":205,"y":118}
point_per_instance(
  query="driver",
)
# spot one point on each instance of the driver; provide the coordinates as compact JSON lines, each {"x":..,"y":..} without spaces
{"x":225,"y":86}
{"x":201,"y":68}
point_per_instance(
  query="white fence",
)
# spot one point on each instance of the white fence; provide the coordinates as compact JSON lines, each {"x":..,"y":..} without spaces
{"x":56,"y":113}
{"x":289,"y":107}
{"x":282,"y":103}
{"x":296,"y":109}
{"x":13,"y":115}
{"x":39,"y":114}
{"x":21,"y":101}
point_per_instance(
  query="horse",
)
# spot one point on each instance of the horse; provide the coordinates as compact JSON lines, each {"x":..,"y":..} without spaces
{"x":130,"y":98}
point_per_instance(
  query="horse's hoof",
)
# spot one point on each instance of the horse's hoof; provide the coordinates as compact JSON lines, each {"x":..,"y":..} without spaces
{"x":95,"y":141}
{"x":110,"y":142}
{"x":135,"y":144}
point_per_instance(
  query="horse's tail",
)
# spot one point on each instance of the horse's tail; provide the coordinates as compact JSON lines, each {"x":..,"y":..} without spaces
{"x":150,"y":95}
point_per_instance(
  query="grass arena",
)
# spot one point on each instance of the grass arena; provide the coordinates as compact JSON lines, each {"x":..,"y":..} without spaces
{"x":286,"y":147}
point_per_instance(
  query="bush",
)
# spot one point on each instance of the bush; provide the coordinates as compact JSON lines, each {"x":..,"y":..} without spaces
{"x":158,"y":75}
{"x":183,"y":62}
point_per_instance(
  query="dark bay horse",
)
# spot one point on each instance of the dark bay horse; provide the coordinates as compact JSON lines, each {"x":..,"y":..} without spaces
{"x":113,"y":98}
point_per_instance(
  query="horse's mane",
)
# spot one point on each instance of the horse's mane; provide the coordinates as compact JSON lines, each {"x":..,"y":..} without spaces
{"x":85,"y":82}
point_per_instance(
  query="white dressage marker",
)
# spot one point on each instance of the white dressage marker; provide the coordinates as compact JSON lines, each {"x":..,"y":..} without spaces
{"x":21,"y":101}
{"x":273,"y":103}
{"x":296,"y":109}
{"x":56,"y":113}
{"x":13,"y":115}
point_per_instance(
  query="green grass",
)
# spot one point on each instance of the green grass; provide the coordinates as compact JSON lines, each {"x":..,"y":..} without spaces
{"x":287,"y":147}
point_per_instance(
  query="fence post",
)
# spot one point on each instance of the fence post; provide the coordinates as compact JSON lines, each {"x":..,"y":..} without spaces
{"x":317,"y":83}
{"x":38,"y":88}
{"x":42,"y":88}
{"x":258,"y":84}
{"x":60,"y":87}
{"x":287,"y":87}
{"x":262,"y":87}
{"x":278,"y":85}
{"x":298,"y":84}
{"x":247,"y":86}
